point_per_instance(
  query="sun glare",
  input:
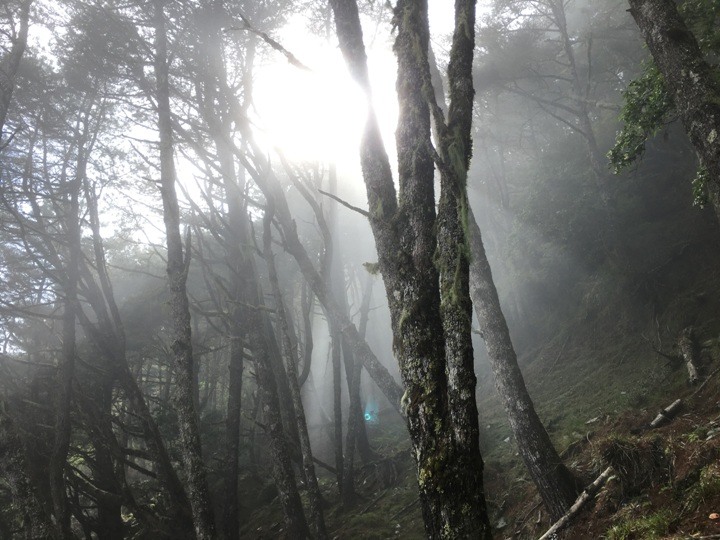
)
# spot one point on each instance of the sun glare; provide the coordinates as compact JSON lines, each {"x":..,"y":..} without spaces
{"x":309,"y":115}
{"x":319,"y":114}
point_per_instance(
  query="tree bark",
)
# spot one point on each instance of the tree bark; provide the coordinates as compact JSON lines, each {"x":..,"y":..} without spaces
{"x":356,"y":419}
{"x":66,"y":368}
{"x":555,"y":483}
{"x":306,"y":303}
{"x":177,"y":268}
{"x":689,"y":79}
{"x":291,"y":356}
{"x":687,"y":349}
{"x":110,"y":524}
{"x":440,"y":414}
{"x":283,"y":473}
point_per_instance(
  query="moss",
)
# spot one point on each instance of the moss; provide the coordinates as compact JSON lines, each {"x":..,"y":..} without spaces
{"x":372,"y":268}
{"x":656,"y":525}
{"x":705,"y":489}
{"x":378,"y":211}
{"x":699,"y":187}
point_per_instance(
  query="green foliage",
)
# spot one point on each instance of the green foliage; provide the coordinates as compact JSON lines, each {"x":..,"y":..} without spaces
{"x":647,"y":104}
{"x":705,"y":489}
{"x":647,"y":108}
{"x":372,"y":268}
{"x":655,"y":525}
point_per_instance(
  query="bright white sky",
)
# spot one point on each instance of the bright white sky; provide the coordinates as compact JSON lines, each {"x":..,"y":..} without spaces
{"x":319,"y":115}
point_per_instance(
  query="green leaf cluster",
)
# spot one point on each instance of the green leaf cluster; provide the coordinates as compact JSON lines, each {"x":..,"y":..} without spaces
{"x":647,"y":104}
{"x":647,"y":107}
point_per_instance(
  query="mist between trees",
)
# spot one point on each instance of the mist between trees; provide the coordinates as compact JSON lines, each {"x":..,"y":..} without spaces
{"x":206,"y":322}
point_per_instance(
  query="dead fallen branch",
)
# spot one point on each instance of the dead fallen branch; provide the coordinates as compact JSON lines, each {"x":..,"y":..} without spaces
{"x":687,"y":349}
{"x":667,"y":414}
{"x":584,"y":497}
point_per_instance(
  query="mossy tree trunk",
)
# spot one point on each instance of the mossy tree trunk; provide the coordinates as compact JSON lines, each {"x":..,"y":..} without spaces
{"x":430,"y":310}
{"x":689,"y":79}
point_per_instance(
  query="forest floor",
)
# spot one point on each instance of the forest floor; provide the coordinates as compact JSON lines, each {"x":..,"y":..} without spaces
{"x":665,"y":483}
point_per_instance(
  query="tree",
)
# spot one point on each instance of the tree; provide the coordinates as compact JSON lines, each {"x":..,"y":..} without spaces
{"x":430,"y":310}
{"x":10,"y":62}
{"x":556,"y":484}
{"x":563,"y":58}
{"x":688,"y":86}
{"x":178,"y":259}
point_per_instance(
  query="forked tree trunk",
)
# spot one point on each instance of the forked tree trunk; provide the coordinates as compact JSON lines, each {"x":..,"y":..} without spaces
{"x":439,"y":398}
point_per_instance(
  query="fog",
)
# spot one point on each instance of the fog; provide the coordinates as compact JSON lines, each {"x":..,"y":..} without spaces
{"x":208,"y":329}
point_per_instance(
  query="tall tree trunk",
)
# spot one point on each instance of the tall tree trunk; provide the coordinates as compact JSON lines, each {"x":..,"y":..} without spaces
{"x":280,"y":452}
{"x":337,"y":279}
{"x":555,"y":483}
{"x":291,"y":356}
{"x":356,"y":419}
{"x":248,"y":317}
{"x":306,"y":304}
{"x":213,"y":105}
{"x":557,"y":486}
{"x":108,"y":335}
{"x":10,"y":63}
{"x":177,"y":269}
{"x":110,"y":524}
{"x":336,"y":358}
{"x":689,"y":78}
{"x":66,"y":368}
{"x":331,"y":271}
